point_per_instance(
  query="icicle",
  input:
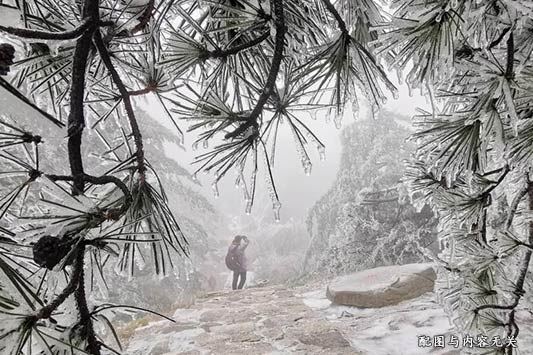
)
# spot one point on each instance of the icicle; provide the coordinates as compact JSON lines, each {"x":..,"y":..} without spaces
{"x":355,"y":107}
{"x":195,"y":146}
{"x":180,"y":138}
{"x":205,"y":144}
{"x":307,"y":166}
{"x":374,"y":111}
{"x":248,"y":209}
{"x":410,"y":90}
{"x":395,"y":94}
{"x":277,"y":207}
{"x":139,"y":261}
{"x":338,"y":120}
{"x":214,"y":186}
{"x":321,"y":152}
{"x":438,"y":18}
{"x":399,"y":74}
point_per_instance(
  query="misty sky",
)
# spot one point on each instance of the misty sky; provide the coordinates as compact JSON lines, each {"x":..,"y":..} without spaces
{"x":297,"y":191}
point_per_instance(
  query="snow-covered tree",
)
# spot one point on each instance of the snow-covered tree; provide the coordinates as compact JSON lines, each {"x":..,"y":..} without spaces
{"x":474,"y":59}
{"x":238,"y":69}
{"x":364,"y":220}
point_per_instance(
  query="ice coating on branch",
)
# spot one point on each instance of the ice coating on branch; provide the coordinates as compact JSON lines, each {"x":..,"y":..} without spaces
{"x":307,"y":165}
{"x":214,"y":186}
{"x":248,"y":208}
{"x":337,"y":119}
{"x":276,"y":207}
{"x":321,"y":152}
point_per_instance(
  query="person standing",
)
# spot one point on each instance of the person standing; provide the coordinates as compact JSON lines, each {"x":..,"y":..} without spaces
{"x":236,"y":261}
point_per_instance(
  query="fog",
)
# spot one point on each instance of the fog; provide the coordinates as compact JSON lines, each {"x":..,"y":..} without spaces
{"x":297,"y":191}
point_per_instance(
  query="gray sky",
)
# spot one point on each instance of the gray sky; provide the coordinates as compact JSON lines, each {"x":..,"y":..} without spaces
{"x":297,"y":191}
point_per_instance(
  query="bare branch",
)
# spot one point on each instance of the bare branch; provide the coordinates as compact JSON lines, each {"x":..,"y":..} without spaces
{"x":44,"y":35}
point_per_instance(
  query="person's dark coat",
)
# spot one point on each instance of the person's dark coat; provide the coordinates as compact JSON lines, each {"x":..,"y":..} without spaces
{"x":235,"y":258}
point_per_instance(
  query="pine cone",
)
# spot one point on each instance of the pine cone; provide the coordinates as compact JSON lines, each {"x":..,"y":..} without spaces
{"x":50,"y":250}
{"x":465,"y":52}
{"x":38,"y":48}
{"x":7,"y":54}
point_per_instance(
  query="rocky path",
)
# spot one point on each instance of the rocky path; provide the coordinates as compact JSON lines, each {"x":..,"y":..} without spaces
{"x":252,"y":321}
{"x":277,"y":320}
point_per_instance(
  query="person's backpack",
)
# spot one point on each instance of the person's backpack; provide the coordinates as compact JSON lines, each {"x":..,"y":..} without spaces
{"x":232,"y":259}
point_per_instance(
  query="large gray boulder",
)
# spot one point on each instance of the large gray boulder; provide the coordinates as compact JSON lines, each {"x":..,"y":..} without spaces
{"x":382,"y":286}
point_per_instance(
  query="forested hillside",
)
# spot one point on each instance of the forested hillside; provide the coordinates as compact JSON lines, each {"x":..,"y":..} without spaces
{"x":366,"y":218}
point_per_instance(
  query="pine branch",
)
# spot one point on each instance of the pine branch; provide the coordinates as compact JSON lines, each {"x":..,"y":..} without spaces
{"x":519,"y":284}
{"x":331,"y":8}
{"x":125,"y":94}
{"x":46,"y":311}
{"x":76,"y":120}
{"x":496,"y":306}
{"x":500,"y":38}
{"x":223,"y":53}
{"x":113,"y":214}
{"x":145,"y":17}
{"x":509,"y":71}
{"x":525,"y":245}
{"x":93,"y":345}
{"x":485,"y":193}
{"x":139,"y":92}
{"x":44,"y":35}
{"x":279,"y":21}
{"x":13,"y":91}
{"x":514,"y":206}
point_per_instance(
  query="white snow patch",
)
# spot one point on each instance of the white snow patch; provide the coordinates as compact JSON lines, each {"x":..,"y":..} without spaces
{"x":386,"y":330}
{"x":159,"y":343}
{"x":315,"y":299}
{"x":188,"y":315}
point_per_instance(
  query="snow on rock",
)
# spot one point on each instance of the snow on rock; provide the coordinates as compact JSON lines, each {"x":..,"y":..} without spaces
{"x":390,"y":330}
{"x":382,"y":286}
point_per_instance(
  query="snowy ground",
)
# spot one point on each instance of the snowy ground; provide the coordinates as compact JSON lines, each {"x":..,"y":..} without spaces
{"x":386,"y":330}
{"x":276,"y":320}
